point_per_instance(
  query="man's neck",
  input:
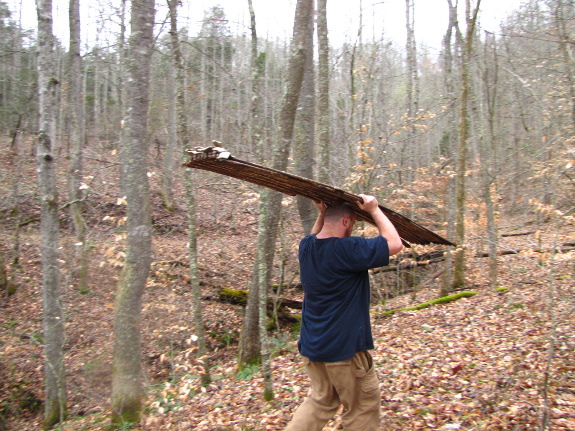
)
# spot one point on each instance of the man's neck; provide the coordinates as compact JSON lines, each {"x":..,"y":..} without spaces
{"x":329,"y":233}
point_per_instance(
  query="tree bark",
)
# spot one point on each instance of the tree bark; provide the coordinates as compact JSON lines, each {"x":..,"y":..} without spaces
{"x":304,"y":154}
{"x":323,"y":111}
{"x":462,"y":142}
{"x":488,"y":154}
{"x":412,"y":102}
{"x":127,"y":388}
{"x":563,"y":12}
{"x":249,"y":345}
{"x":257,"y":68}
{"x":121,"y":68}
{"x":270,"y":201}
{"x":183,"y":132}
{"x":55,"y":408}
{"x":447,"y":149}
{"x":77,"y":138}
{"x":169,"y":159}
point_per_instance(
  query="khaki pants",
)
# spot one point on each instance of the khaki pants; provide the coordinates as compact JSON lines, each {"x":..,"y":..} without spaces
{"x":352,"y":383}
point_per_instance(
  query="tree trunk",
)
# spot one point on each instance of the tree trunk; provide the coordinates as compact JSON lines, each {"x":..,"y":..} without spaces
{"x":127,"y":388}
{"x":305,"y":132}
{"x":169,"y":160}
{"x":412,"y":90}
{"x":447,"y":149}
{"x":563,"y":12}
{"x":489,"y":155}
{"x":323,"y":111}
{"x":249,"y":345}
{"x":257,"y":67}
{"x":461,"y":156}
{"x":55,"y":409}
{"x":270,"y":201}
{"x":249,"y":348}
{"x":77,"y":138}
{"x":190,"y":199}
{"x":121,"y":69}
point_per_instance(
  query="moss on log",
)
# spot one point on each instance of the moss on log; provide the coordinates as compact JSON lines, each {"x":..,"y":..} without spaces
{"x":234,"y":296}
{"x":442,"y":300}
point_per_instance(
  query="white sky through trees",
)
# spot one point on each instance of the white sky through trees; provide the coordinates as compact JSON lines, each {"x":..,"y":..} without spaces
{"x":381,"y":18}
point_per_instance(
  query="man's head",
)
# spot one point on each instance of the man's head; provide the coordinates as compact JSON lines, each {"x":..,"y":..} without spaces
{"x":341,"y":212}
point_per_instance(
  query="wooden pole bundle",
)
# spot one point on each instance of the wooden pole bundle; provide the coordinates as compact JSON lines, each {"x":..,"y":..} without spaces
{"x":217,"y":159}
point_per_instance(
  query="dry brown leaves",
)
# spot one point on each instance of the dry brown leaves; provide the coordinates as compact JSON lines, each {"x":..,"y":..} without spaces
{"x":496,"y":361}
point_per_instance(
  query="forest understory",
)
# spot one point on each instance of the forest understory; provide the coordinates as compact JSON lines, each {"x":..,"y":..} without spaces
{"x":500,"y":360}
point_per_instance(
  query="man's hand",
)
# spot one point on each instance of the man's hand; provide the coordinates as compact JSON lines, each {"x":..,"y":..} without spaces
{"x":369,"y":203}
{"x":385,"y":227}
{"x":320,"y":206}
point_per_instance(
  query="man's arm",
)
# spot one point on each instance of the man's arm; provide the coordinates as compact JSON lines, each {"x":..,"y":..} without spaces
{"x":321,"y":207}
{"x":385,"y":227}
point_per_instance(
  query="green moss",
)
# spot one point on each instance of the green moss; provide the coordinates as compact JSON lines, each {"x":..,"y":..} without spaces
{"x":234,"y":296}
{"x":126,"y":409}
{"x":295,"y":328}
{"x":442,"y":300}
{"x":502,"y":289}
{"x":247,"y":372}
{"x":54,"y":416}
{"x":257,"y":361}
{"x":268,"y":395}
{"x":270,"y":324}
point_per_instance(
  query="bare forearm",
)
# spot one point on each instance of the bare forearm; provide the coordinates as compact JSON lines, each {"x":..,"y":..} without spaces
{"x":321,"y":207}
{"x":388,"y":231}
{"x":318,"y":224}
{"x":384,"y":225}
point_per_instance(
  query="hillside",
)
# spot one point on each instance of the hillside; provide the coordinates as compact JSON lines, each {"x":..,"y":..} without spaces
{"x":496,"y":361}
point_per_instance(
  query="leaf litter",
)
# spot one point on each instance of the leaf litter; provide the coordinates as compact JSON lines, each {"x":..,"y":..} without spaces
{"x":495,"y":361}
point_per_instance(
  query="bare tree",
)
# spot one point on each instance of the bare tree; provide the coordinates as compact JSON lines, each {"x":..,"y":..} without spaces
{"x":77,"y":138}
{"x":462,"y":142}
{"x":270,"y":203}
{"x":127,"y":388}
{"x":169,"y":160}
{"x":489,"y":149}
{"x":249,"y":345}
{"x":446,"y":148}
{"x":412,"y":103}
{"x":323,"y":111}
{"x":182,"y":128}
{"x":562,"y":14}
{"x":55,"y":409}
{"x":257,"y":67}
{"x":304,"y":151}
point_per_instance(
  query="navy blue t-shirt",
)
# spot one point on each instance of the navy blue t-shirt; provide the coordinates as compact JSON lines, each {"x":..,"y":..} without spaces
{"x":335,"y":315}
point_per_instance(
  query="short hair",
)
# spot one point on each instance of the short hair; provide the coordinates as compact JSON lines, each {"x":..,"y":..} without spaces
{"x":339,"y":210}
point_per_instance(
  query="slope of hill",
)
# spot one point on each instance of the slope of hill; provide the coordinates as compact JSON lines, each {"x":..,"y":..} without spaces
{"x":500,"y":360}
{"x":497,"y":361}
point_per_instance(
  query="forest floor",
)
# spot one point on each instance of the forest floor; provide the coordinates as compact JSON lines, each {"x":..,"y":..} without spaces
{"x":500,"y":360}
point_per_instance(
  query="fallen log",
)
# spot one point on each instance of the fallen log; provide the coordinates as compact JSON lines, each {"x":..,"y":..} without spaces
{"x":436,"y":257}
{"x":505,"y":235}
{"x":408,"y":265}
{"x":563,"y":248}
{"x":240,"y":297}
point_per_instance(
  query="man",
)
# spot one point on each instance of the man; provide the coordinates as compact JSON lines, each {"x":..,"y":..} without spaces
{"x":336,"y":331}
